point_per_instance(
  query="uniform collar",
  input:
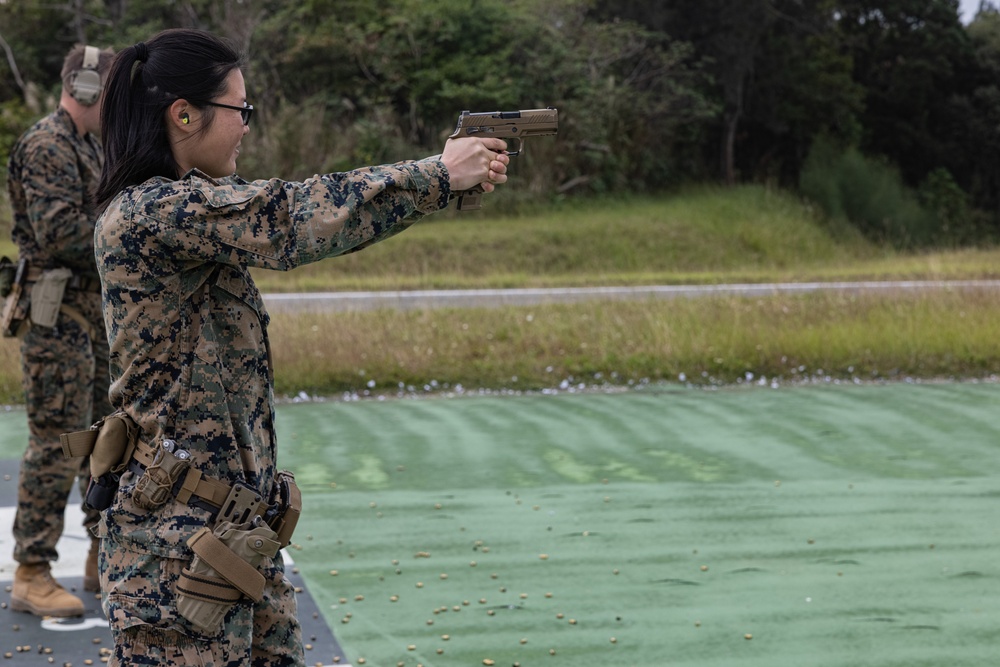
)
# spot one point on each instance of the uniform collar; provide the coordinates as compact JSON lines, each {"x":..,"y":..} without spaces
{"x":62,"y":115}
{"x":225,"y":180}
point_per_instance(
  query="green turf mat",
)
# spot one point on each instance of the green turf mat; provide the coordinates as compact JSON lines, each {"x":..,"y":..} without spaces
{"x":847,"y":525}
{"x":832,"y":525}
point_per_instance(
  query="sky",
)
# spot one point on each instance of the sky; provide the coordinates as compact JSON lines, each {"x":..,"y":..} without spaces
{"x":967,"y":9}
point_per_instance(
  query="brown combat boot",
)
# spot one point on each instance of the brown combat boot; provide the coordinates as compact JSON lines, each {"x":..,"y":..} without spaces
{"x":36,"y":592}
{"x":91,"y":579}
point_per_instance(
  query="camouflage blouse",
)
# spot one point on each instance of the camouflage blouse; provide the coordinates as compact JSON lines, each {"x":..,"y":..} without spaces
{"x":52,"y":175}
{"x":190,"y":359}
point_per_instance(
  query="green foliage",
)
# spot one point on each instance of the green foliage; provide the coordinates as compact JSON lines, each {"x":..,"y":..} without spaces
{"x":389,"y":82}
{"x":635,"y":109}
{"x":941,"y":195}
{"x":869,"y":193}
{"x":916,"y":64}
{"x":651,"y":95}
{"x":38,"y":37}
{"x":976,"y":169}
{"x":803,"y":87}
{"x":425,"y":61}
{"x":15,"y":118}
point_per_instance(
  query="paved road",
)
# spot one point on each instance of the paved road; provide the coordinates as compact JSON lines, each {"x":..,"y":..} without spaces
{"x":425,"y":299}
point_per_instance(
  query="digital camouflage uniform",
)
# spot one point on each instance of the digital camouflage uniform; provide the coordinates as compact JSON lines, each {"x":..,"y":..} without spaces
{"x":52,"y":176}
{"x":190,"y":362}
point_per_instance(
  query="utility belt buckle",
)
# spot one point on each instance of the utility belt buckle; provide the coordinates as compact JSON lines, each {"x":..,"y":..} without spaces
{"x":240,"y":505}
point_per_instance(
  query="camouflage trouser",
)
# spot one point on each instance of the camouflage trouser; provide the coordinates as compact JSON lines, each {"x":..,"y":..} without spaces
{"x":65,"y":378}
{"x":139,"y":601}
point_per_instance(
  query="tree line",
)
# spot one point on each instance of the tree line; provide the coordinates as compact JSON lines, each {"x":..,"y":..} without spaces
{"x":883,"y":112}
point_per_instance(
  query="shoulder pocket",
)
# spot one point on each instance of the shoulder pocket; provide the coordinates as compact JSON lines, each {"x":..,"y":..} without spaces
{"x":227,"y":196}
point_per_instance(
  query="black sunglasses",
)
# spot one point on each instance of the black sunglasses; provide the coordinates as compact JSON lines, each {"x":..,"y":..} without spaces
{"x":245,"y":111}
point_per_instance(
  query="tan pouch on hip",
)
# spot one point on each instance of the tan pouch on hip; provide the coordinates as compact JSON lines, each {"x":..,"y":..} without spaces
{"x":47,"y":295}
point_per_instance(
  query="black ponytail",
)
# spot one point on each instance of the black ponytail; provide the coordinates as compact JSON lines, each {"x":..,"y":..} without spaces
{"x":145,"y":79}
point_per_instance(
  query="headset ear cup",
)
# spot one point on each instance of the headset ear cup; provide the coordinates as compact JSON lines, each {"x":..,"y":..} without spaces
{"x":85,"y":84}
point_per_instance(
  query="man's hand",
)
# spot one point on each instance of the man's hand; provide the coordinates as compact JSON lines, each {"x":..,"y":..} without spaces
{"x":473,"y":161}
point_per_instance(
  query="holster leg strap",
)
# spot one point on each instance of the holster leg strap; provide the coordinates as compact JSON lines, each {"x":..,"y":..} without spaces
{"x":208,"y":589}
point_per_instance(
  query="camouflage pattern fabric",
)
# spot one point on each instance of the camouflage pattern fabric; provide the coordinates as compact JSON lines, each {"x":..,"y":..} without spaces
{"x":139,"y":604}
{"x":52,"y":175}
{"x":190,"y":358}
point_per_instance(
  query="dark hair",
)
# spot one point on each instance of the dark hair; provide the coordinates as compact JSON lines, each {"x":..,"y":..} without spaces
{"x":145,"y":80}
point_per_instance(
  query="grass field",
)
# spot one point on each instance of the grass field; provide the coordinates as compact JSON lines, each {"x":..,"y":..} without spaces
{"x":710,"y":341}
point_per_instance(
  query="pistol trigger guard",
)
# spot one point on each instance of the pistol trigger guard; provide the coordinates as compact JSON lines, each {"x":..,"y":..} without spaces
{"x":516,"y":140}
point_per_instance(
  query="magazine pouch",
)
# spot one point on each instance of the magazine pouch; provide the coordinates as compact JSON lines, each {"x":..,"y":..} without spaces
{"x":47,"y":295}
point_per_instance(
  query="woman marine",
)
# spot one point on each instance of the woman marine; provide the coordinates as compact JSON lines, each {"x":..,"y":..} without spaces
{"x":190,"y":363}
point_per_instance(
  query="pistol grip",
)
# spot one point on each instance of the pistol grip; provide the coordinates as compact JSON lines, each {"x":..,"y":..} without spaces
{"x":470,"y":200}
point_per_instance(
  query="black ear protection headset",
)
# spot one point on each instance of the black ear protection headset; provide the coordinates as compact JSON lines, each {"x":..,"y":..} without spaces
{"x":85,"y":83}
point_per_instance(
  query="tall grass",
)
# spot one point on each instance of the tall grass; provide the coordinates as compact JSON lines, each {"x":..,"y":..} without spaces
{"x":718,"y":340}
{"x":872,"y":196}
{"x":682,"y":238}
{"x":817,"y":336}
{"x":701,"y":235}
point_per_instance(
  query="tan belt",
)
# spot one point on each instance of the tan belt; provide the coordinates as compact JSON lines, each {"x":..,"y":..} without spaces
{"x":76,"y":282}
{"x":196,"y":489}
{"x":213,"y":491}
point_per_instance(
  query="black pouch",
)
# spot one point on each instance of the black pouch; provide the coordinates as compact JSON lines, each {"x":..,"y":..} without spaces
{"x":285,"y":506}
{"x":109,"y":444}
{"x":8,"y":270}
{"x":101,"y":491}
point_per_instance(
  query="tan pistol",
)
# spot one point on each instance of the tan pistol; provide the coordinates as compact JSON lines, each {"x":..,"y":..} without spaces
{"x":511,"y":126}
